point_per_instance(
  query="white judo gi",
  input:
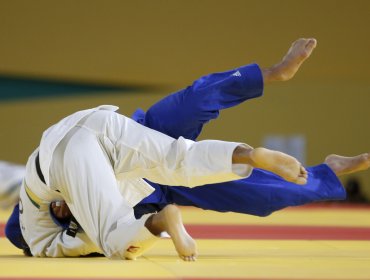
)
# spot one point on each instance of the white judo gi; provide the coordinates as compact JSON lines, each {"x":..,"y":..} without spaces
{"x":96,"y":160}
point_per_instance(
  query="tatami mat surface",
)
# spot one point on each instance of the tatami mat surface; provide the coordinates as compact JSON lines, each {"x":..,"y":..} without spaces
{"x":273,"y":254}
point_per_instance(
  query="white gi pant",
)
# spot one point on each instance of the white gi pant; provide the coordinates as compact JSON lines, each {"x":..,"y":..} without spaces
{"x":106,"y":155}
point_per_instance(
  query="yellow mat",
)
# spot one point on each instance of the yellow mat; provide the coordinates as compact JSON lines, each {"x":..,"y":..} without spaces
{"x":222,"y":258}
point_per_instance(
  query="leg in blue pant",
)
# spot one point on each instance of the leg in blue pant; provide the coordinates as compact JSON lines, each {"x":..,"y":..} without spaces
{"x":184,"y":113}
{"x":260,"y":194}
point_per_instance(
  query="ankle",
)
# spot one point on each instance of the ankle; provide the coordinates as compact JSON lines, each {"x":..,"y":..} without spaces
{"x":154,"y":224}
{"x":273,"y":74}
{"x":243,"y":155}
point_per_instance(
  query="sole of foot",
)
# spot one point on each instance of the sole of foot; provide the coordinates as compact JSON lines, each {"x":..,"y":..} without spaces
{"x":281,"y":164}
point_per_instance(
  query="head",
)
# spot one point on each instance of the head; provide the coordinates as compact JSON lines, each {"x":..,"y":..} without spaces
{"x":60,"y":214}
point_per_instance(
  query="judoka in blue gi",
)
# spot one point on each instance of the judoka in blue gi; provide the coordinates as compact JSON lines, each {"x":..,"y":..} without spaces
{"x":185,"y":112}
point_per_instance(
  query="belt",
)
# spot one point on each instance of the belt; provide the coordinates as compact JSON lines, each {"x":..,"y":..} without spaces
{"x":38,"y":169}
{"x":36,"y":201}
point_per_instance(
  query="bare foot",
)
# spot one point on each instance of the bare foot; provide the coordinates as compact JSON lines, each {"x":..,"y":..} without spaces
{"x":279,"y":163}
{"x":169,"y":219}
{"x":300,"y":50}
{"x":345,"y":165}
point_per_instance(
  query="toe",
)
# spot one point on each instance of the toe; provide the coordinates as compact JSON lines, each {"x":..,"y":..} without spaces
{"x":301,"y":181}
{"x":304,"y":172}
{"x":187,"y":258}
{"x":311,"y":44}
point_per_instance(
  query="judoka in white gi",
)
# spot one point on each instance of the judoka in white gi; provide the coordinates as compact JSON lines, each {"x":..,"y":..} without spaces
{"x":96,"y":160}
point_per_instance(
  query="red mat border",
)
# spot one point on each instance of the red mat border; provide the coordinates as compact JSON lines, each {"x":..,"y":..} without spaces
{"x":265,"y":232}
{"x":281,"y":232}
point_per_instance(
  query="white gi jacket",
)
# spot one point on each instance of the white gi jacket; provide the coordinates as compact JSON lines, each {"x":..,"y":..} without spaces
{"x":96,"y":160}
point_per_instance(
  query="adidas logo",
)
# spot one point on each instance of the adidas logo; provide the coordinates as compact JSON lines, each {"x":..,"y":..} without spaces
{"x":237,"y":74}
